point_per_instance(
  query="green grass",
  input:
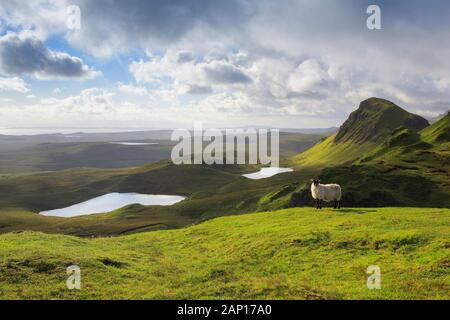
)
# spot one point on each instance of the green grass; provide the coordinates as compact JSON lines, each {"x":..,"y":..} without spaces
{"x":289,"y":254}
{"x":401,"y":167}
{"x":329,"y":153}
{"x":60,"y":156}
{"x":211,"y":190}
{"x":439,"y":131}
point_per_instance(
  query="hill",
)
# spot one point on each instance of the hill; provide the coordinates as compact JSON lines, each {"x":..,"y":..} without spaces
{"x":288,"y":254}
{"x":375,"y":119}
{"x":385,"y":166}
{"x":366,"y":129}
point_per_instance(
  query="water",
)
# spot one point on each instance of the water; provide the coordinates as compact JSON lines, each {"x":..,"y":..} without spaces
{"x":135,"y":143}
{"x":111,"y":202}
{"x":266,"y":173}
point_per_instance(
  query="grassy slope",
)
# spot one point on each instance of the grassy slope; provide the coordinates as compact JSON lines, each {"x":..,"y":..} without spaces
{"x":395,"y":170}
{"x":414,"y":163}
{"x":211,"y":191}
{"x":293,"y":254}
{"x":328,"y":153}
{"x":364,"y":132}
{"x":439,"y":131}
{"x":59,"y":156}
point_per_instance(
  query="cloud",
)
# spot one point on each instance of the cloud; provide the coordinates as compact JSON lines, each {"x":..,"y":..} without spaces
{"x":308,"y":76}
{"x":185,"y":56}
{"x":225,"y":73}
{"x":132,"y":89}
{"x":44,"y":17}
{"x":92,"y":101}
{"x":196,"y":89}
{"x":192,"y":74}
{"x":25,"y":54}
{"x":294,"y":62}
{"x":13,"y":84}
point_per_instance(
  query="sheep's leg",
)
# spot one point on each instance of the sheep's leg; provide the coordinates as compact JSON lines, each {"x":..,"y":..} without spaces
{"x":335,"y":204}
{"x":320,"y":203}
{"x":339,"y":204}
{"x":317,"y":203}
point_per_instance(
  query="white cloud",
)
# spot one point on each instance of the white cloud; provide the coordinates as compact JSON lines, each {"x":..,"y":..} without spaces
{"x":13,"y":84}
{"x":310,"y":75}
{"x":92,"y":101}
{"x":132,"y":89}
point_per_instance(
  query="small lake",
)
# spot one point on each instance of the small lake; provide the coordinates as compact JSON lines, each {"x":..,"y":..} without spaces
{"x":112,"y":201}
{"x":266,"y":173}
{"x":135,"y":143}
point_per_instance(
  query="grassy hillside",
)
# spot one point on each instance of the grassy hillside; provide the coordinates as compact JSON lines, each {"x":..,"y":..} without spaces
{"x":379,"y":164}
{"x":291,"y":254}
{"x":375,"y":119}
{"x":59,"y":156}
{"x":211,"y":191}
{"x":329,"y":153}
{"x":366,"y":130}
{"x":411,"y":169}
{"x":439,"y":131}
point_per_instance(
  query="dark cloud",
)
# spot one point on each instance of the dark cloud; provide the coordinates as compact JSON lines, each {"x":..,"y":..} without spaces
{"x":28,"y":55}
{"x":107,"y":23}
{"x":197,"y":89}
{"x":225,"y":74}
{"x":185,"y":56}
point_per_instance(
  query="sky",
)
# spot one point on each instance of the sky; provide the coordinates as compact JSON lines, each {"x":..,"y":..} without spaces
{"x":227,"y":63}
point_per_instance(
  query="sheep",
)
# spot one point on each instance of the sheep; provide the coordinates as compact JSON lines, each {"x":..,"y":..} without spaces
{"x":326,"y":192}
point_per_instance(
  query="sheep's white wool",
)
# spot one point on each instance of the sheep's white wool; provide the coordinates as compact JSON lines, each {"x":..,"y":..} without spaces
{"x":326,"y":192}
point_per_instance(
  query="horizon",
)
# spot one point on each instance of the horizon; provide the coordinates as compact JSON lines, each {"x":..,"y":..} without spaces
{"x":93,"y":130}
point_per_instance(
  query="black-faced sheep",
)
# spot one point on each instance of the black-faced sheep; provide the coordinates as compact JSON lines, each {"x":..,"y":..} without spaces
{"x":326,"y":192}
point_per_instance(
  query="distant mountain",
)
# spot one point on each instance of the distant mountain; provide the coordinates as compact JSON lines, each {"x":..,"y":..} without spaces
{"x":437,"y":118}
{"x":383,"y":156}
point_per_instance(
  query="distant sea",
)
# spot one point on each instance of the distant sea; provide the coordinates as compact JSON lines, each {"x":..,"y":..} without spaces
{"x":37,"y":131}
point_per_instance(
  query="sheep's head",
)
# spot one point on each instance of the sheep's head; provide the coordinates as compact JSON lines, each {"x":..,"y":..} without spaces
{"x":316,"y":182}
